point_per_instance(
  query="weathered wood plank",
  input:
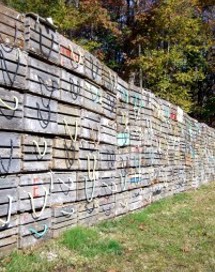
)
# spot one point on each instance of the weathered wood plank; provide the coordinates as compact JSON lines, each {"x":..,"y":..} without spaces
{"x":40,"y":114}
{"x":92,"y":68}
{"x":43,"y":78}
{"x":36,"y":153}
{"x":65,"y":154}
{"x":41,"y":38}
{"x":71,"y":55}
{"x":13,"y":67}
{"x":11,"y":27}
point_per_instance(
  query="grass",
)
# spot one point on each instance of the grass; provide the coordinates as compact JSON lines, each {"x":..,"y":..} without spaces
{"x":174,"y":234}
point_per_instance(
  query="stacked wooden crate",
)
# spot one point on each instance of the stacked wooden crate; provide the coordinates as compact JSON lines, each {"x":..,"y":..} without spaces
{"x":78,"y":144}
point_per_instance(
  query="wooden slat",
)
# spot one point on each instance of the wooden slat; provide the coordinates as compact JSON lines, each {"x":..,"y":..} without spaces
{"x":13,"y":67}
{"x":92,"y":68}
{"x":41,"y":39}
{"x":71,"y":55}
{"x":40,"y":114}
{"x":11,"y":27}
{"x":65,"y":154}
{"x":71,"y":88}
{"x":34,"y":158}
{"x":43,"y":78}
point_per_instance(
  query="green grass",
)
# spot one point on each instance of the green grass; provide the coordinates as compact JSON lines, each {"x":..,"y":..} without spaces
{"x":174,"y":234}
{"x":88,"y":242}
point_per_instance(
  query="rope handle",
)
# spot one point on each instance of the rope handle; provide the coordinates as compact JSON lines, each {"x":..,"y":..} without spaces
{"x":9,"y":107}
{"x":93,"y":176}
{"x":108,"y":186}
{"x":123,"y":180}
{"x":64,"y":183}
{"x":51,"y":180}
{"x":39,"y":234}
{"x":39,"y":150}
{"x":89,"y":199}
{"x":69,"y":131}
{"x":37,"y":215}
{"x":6,"y":222}
{"x":68,"y":213}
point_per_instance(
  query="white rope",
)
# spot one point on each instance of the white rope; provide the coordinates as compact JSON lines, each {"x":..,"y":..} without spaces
{"x":69,"y":131}
{"x":64,"y":183}
{"x":93,"y":175}
{"x":9,"y":107}
{"x":51,"y":180}
{"x":89,"y":199}
{"x":6,"y":222}
{"x":38,"y":148}
{"x":68,"y":213}
{"x":123,"y":182}
{"x":37,"y":215}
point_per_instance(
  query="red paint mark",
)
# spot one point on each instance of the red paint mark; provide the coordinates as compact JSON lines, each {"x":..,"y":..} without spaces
{"x":35,"y":187}
{"x":173,"y":116}
{"x":68,"y":53}
{"x":35,"y":191}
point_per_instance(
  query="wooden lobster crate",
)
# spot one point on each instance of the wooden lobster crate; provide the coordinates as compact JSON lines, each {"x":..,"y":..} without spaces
{"x":88,"y":212}
{"x":13,"y":67}
{"x":90,"y":126}
{"x":43,"y":78}
{"x":69,"y":122}
{"x":121,"y":203}
{"x":40,"y":114}
{"x":63,"y":218}
{"x":110,"y":183}
{"x":109,"y":79}
{"x":92,"y":68}
{"x":8,"y":213}
{"x":109,"y":104}
{"x":34,"y":231}
{"x":71,"y":55}
{"x":88,"y":156}
{"x":11,"y":110}
{"x":10,"y":158}
{"x":135,"y":199}
{"x":34,"y":211}
{"x":71,"y":88}
{"x":108,"y":131}
{"x":11,"y":28}
{"x":64,"y":188}
{"x":92,"y":97}
{"x":136,"y":105}
{"x":88,"y":185}
{"x":41,"y":38}
{"x":36,"y":153}
{"x":136,"y":136}
{"x":123,"y":92}
{"x":160,"y":190}
{"x":34,"y":193}
{"x":107,"y":157}
{"x":65,"y":154}
{"x":107,"y":206}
